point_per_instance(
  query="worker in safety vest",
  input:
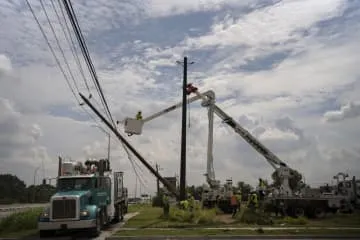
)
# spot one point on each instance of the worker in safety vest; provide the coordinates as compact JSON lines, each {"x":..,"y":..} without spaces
{"x":262,"y":188}
{"x":184,"y":204}
{"x":139,"y":115}
{"x":239,"y":198}
{"x":191,"y":202}
{"x":166,"y":205}
{"x":253,"y":201}
{"x":234,"y":205}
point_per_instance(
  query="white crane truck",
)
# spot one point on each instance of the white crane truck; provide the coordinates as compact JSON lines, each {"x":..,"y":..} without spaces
{"x":295,"y":204}
{"x":87,"y":197}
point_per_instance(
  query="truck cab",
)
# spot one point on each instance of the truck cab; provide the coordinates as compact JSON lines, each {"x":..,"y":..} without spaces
{"x":86,"y":198}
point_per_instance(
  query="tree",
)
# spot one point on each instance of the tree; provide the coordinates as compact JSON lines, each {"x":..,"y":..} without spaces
{"x":11,"y":189}
{"x":294,"y":181}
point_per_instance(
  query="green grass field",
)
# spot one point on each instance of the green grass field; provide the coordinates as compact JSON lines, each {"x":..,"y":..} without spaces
{"x":179,"y":223}
{"x":20,"y":224}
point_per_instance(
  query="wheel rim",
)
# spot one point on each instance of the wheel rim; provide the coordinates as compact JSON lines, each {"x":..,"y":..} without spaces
{"x":299,"y":212}
{"x":319,"y":213}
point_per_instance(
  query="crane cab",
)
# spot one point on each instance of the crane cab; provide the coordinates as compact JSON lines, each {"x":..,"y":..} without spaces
{"x":133,"y":126}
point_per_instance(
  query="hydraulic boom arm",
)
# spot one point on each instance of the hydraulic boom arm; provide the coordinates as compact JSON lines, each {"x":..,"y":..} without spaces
{"x":272,"y":159}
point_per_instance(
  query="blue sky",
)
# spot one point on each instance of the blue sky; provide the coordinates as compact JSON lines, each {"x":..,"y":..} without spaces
{"x":271,"y":64}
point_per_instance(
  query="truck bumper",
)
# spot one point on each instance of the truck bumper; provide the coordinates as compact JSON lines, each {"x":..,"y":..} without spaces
{"x":63,"y":225}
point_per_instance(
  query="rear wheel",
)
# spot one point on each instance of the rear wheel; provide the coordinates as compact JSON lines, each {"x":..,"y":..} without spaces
{"x":319,"y":212}
{"x":299,"y":212}
{"x":118,"y":213}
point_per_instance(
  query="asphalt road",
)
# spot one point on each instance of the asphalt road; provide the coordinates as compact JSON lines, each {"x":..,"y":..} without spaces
{"x":6,"y":210}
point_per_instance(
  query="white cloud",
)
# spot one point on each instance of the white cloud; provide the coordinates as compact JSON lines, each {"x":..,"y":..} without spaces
{"x":350,"y":110}
{"x":163,"y":8}
{"x":5,"y":64}
{"x":275,"y":24}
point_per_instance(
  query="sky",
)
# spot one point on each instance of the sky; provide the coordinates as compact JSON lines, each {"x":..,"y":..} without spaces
{"x":286,"y":70}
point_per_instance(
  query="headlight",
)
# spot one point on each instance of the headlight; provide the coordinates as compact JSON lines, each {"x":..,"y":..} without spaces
{"x":45,"y":213}
{"x":84,"y":213}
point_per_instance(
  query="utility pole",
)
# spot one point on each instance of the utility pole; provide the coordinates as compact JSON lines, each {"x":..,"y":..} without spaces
{"x":183,"y":133}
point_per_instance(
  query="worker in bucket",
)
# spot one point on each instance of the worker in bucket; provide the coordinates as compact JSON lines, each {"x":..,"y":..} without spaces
{"x":234,"y":205}
{"x":139,"y":115}
{"x":166,"y":205}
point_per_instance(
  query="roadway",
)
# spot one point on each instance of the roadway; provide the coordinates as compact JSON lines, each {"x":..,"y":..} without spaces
{"x":6,"y":210}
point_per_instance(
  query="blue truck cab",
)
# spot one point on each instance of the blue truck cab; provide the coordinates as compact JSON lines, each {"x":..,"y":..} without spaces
{"x":87,"y":198}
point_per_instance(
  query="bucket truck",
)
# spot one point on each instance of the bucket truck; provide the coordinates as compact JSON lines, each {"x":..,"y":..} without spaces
{"x":307,"y":203}
{"x":350,"y":189}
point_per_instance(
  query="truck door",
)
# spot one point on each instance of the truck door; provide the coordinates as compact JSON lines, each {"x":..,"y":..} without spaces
{"x":103,"y":191}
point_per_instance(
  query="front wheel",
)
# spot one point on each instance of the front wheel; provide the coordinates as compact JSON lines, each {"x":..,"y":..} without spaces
{"x":95,"y":232}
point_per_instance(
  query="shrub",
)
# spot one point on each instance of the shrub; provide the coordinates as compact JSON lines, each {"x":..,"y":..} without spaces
{"x":294,"y":221}
{"x":198,"y":216}
{"x":249,"y":216}
{"x":26,"y":220}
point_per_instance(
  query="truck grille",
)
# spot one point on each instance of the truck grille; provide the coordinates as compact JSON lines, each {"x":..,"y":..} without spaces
{"x":63,"y":208}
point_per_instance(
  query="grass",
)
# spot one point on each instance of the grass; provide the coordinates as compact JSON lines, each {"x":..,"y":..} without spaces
{"x":229,"y":232}
{"x":153,"y":217}
{"x":350,"y":220}
{"x":137,"y":207}
{"x":21,"y":223}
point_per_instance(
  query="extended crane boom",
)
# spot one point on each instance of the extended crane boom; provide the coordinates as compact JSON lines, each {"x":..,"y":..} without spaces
{"x":283,"y":170}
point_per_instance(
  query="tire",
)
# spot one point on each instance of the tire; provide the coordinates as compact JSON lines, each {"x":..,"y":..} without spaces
{"x":126,"y":209}
{"x":319,"y":213}
{"x":95,"y":232}
{"x":299,"y":212}
{"x":118,"y":213}
{"x":46,"y":233}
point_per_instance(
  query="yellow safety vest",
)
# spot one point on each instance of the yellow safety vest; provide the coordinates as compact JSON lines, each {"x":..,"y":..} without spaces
{"x":138,"y":116}
{"x":238,"y":197}
{"x":165,"y":200}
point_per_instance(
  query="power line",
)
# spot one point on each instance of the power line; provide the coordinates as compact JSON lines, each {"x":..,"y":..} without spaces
{"x":52,"y":51}
{"x":69,"y":41}
{"x":80,"y":37}
{"x":57,"y":60}
{"x":58,"y":43}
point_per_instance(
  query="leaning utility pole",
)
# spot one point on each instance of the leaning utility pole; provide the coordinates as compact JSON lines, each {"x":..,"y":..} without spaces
{"x":157,"y":181}
{"x":131,"y":148}
{"x":108,"y":150}
{"x":183,"y":134}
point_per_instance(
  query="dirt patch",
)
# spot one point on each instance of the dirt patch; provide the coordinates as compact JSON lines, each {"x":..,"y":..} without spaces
{"x":225,"y":218}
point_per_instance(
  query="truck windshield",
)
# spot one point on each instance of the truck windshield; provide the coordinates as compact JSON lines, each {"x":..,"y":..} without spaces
{"x":68,"y":184}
